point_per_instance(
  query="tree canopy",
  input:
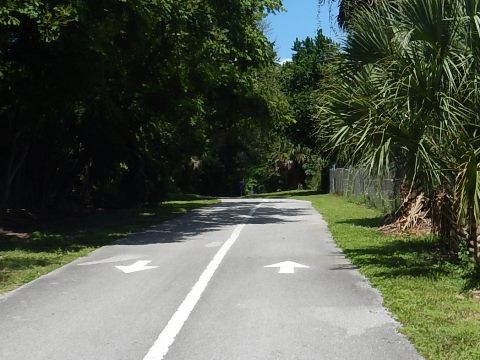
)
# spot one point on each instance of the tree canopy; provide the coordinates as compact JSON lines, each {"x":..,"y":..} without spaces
{"x":292,"y":157}
{"x":112,"y":102}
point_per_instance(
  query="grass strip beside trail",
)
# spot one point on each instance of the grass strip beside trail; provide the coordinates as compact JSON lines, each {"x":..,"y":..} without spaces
{"x":423,"y":291}
{"x":27,"y":254}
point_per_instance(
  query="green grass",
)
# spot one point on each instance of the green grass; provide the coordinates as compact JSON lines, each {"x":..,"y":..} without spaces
{"x":425,"y":293}
{"x":30,"y":254}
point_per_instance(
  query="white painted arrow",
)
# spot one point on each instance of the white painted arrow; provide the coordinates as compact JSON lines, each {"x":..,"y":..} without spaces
{"x":136,"y":266}
{"x":113,"y":259}
{"x":287,"y":267}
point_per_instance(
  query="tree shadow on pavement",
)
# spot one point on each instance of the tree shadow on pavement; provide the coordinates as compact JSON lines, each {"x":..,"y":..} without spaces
{"x":24,"y":250}
{"x":210,"y":219}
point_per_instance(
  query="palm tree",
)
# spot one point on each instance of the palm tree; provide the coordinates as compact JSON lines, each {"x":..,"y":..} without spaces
{"x":348,"y":8}
{"x":288,"y":160}
{"x":407,"y":93}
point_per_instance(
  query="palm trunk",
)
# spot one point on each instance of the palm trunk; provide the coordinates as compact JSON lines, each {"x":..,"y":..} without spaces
{"x":472,"y":234}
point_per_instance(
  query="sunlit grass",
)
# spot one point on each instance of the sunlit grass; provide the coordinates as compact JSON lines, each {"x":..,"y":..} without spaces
{"x":36,"y":252}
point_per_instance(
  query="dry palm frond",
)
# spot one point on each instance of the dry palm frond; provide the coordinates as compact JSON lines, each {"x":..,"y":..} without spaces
{"x":417,"y":213}
{"x":414,"y":219}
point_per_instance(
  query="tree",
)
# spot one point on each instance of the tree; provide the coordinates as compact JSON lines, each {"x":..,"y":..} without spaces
{"x":301,"y":77}
{"x":347,"y":9}
{"x":106,"y":103}
{"x":405,"y":95}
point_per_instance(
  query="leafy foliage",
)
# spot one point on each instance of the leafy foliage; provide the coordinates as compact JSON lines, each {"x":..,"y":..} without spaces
{"x":301,"y":77}
{"x":347,"y":9}
{"x":112,"y":103}
{"x":405,"y":95}
{"x":291,"y":156}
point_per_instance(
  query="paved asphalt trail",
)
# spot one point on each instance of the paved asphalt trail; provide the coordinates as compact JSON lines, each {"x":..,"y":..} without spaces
{"x":238,"y":309}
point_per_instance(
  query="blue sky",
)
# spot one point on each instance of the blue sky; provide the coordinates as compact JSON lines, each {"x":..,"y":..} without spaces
{"x":301,"y":19}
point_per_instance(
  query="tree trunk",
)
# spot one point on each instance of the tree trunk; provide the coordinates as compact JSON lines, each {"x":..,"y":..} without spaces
{"x":472,"y":234}
{"x":15,"y":162}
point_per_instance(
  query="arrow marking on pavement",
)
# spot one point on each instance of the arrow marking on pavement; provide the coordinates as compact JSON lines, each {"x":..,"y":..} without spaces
{"x":287,"y":267}
{"x":136,"y":266}
{"x":175,"y":324}
{"x":113,"y":259}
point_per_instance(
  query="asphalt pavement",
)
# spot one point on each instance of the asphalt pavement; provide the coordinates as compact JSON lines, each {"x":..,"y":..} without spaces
{"x":247,"y":279}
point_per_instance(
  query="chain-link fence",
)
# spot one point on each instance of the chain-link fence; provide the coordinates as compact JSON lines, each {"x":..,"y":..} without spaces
{"x":358,"y":184}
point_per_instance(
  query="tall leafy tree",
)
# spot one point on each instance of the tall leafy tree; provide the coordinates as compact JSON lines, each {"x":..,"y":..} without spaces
{"x":301,"y":78}
{"x":107,"y":102}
